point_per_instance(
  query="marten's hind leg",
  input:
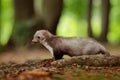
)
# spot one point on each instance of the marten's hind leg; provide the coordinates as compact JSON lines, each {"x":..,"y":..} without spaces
{"x":105,"y":53}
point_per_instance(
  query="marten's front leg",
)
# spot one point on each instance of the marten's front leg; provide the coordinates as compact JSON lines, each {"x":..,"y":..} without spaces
{"x":58,"y":55}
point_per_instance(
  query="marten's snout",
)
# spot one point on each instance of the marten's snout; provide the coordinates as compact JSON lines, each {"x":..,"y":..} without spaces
{"x":34,"y":41}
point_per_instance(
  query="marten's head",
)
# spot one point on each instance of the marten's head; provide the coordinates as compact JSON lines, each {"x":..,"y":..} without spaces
{"x":41,"y":36}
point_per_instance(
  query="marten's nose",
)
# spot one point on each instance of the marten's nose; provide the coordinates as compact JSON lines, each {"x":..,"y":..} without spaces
{"x":34,"y":41}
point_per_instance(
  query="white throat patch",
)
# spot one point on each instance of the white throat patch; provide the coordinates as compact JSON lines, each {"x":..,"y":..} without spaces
{"x":48,"y":47}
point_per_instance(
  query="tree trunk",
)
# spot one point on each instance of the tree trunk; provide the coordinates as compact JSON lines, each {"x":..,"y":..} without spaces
{"x":23,"y":9}
{"x":105,"y":20}
{"x":25,"y":26}
{"x":9,"y":46}
{"x":24,"y":13}
{"x":90,"y":33}
{"x":93,"y":60}
{"x":50,"y":13}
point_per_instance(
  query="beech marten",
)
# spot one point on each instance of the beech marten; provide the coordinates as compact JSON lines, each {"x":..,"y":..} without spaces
{"x":72,"y":46}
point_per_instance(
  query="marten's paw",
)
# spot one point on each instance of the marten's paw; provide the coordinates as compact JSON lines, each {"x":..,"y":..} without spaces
{"x":107,"y":54}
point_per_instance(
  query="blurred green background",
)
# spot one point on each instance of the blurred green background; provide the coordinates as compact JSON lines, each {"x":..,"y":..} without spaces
{"x":19,"y":19}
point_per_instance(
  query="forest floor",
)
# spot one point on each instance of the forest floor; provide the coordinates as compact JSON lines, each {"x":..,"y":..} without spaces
{"x":35,"y":64}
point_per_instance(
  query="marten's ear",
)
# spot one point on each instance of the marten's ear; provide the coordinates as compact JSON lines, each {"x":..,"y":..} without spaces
{"x":46,"y":34}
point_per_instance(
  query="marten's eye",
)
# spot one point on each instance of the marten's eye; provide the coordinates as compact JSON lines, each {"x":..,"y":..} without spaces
{"x":38,"y":37}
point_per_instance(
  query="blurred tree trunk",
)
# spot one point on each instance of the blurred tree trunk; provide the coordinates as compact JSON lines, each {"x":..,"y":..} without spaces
{"x":23,"y":9}
{"x":26,"y":25}
{"x":105,"y":20}
{"x":23,"y":14}
{"x":24,"y":21}
{"x":50,"y":12}
{"x":90,"y":3}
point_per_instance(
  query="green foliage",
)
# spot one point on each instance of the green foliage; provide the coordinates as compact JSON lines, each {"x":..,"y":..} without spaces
{"x":114,"y":33}
{"x":72,"y":22}
{"x":7,"y":20}
{"x":76,"y":7}
{"x":69,"y":26}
